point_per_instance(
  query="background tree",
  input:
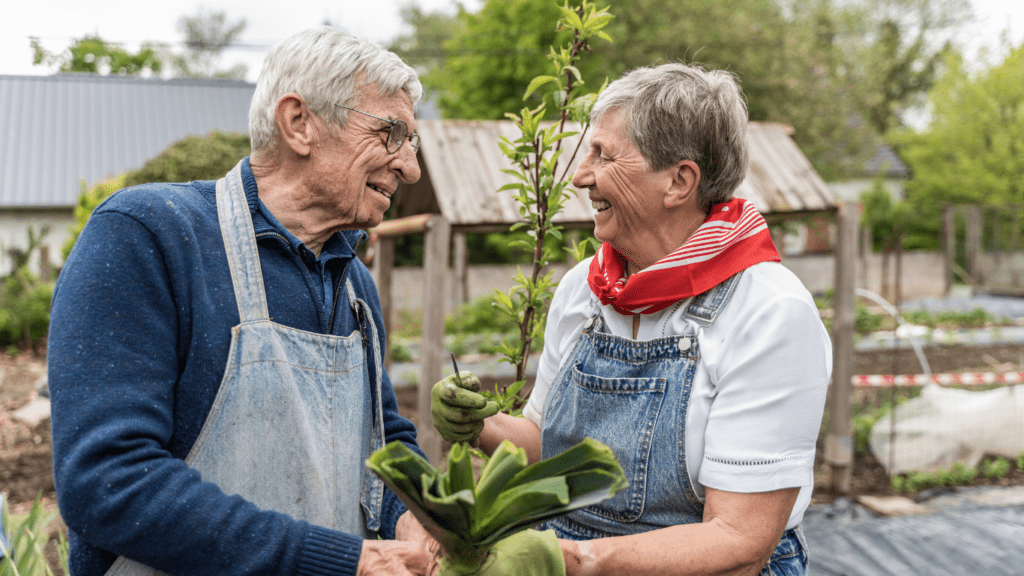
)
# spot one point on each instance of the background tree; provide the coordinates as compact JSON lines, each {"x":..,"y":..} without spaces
{"x":91,"y":53}
{"x":841,"y":73}
{"x":422,"y":45}
{"x":972,"y":150}
{"x":207,"y":34}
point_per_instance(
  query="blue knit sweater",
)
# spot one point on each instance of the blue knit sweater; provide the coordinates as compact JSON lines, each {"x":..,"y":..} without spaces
{"x":139,"y":338}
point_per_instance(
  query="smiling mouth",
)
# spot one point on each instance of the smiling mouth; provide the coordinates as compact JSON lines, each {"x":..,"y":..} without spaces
{"x":381,"y":190}
{"x":600,"y":205}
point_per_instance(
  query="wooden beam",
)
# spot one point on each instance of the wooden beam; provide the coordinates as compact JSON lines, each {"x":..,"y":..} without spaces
{"x":839,"y":439}
{"x":460,"y":260}
{"x":436,"y":252}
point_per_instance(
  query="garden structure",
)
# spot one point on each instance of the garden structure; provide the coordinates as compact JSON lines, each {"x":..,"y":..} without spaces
{"x":457,"y":195}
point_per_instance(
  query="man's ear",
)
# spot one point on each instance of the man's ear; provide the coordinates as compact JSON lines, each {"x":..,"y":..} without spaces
{"x":294,"y":123}
{"x":685,"y":180}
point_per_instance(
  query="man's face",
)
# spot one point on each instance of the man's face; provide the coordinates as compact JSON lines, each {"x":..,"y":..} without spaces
{"x":354,"y":173}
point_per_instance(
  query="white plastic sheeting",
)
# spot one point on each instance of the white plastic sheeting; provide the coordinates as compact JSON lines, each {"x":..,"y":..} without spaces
{"x":944,"y":426}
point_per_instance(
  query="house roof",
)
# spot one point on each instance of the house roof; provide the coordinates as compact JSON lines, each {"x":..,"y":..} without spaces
{"x":462,"y":171}
{"x":56,"y":131}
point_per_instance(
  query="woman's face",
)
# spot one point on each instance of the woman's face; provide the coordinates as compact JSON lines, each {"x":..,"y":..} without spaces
{"x":628,"y":196}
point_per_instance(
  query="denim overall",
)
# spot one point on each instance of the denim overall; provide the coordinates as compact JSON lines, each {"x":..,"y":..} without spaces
{"x":293,"y":420}
{"x":633,"y":396}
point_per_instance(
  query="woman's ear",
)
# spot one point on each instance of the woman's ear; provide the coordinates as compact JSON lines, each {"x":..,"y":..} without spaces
{"x":294,"y":123}
{"x":685,"y":180}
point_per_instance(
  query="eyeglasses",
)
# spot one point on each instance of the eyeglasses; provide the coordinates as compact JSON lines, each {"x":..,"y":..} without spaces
{"x":396,"y":135}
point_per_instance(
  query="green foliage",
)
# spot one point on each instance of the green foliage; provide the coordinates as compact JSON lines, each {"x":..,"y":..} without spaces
{"x":540,"y":189}
{"x":841,"y":73}
{"x":88,"y":200}
{"x":468,"y":515}
{"x":973,"y":149}
{"x":24,"y":298}
{"x":1020,"y":461}
{"x":958,"y":475}
{"x":93,"y":54}
{"x":191,"y":158}
{"x":888,"y":220}
{"x":29,"y":537}
{"x":493,"y":55}
{"x":194,"y":158}
{"x":995,"y":468}
{"x":479,"y":317}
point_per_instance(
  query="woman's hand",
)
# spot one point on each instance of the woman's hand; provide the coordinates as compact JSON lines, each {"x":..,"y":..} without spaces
{"x":458,"y":410}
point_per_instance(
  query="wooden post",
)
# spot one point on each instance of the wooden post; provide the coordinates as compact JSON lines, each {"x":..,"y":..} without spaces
{"x":460,"y":260}
{"x":974,"y":245}
{"x":866,"y":243}
{"x":44,"y":263}
{"x":839,"y":439}
{"x":949,"y":244}
{"x":436,"y":252}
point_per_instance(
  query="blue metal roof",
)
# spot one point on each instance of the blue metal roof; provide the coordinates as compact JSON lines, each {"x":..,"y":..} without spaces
{"x":56,"y":131}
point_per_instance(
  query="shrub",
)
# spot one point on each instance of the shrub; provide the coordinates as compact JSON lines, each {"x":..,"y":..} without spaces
{"x":995,"y":469}
{"x":194,"y":158}
{"x":24,"y":299}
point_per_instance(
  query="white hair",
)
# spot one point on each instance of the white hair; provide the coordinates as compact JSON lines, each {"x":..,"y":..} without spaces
{"x":325,"y":66}
{"x":679,"y":112}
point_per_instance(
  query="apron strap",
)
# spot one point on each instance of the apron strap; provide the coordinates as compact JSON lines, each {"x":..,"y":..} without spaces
{"x":704,"y":307}
{"x":373,"y":493}
{"x":240,"y":246}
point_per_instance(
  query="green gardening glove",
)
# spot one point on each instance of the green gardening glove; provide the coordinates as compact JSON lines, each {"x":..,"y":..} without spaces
{"x":459,"y":410}
{"x":526,"y":553}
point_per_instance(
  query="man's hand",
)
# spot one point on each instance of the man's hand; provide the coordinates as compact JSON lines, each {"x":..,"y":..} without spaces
{"x":459,"y":411}
{"x":394,"y":558}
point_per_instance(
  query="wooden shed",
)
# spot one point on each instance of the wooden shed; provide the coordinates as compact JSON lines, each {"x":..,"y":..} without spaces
{"x":457,"y":194}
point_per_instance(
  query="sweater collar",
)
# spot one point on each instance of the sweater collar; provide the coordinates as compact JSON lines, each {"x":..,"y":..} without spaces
{"x":342,"y":243}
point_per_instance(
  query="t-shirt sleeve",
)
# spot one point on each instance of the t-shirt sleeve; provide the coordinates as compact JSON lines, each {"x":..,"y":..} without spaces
{"x":770,"y":382}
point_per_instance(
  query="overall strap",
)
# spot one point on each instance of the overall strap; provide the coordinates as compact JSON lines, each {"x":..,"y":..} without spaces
{"x":240,"y":247}
{"x":375,"y":492}
{"x":704,"y":307}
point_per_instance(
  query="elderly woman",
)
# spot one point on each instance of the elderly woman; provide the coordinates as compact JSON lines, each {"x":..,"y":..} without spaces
{"x":683,"y":344}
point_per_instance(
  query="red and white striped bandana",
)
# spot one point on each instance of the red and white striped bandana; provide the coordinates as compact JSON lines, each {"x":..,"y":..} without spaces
{"x":733,"y":238}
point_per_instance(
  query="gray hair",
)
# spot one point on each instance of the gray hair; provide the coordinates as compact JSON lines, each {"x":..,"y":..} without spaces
{"x":677,"y":112}
{"x":325,"y":66}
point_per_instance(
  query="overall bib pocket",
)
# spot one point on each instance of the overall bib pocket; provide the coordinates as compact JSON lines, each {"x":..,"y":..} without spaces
{"x":622,"y":413}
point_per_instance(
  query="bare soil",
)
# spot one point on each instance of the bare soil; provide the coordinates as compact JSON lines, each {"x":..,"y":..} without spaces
{"x":26,"y":468}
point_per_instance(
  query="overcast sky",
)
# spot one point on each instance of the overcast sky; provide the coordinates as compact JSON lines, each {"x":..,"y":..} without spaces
{"x":58,"y":22}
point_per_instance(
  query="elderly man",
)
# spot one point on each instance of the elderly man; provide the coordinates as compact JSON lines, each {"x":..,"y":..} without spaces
{"x":215,"y":347}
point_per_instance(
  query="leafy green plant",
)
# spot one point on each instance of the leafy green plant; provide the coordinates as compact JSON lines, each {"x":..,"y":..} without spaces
{"x":25,"y":555}
{"x":468,"y":515}
{"x":24,"y":298}
{"x":541,"y":188}
{"x":1020,"y":461}
{"x":995,"y":469}
{"x":88,"y":200}
{"x":958,"y":475}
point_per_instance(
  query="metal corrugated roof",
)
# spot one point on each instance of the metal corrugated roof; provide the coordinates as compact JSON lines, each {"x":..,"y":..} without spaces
{"x":463,"y":167}
{"x":58,"y":130}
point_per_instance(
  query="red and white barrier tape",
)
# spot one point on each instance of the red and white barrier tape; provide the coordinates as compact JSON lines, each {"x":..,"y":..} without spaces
{"x":965,"y":379}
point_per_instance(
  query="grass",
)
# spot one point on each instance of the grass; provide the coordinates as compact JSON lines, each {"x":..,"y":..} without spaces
{"x":28,"y":537}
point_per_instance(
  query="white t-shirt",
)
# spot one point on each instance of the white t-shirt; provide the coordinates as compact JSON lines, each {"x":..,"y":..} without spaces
{"x":759,"y":388}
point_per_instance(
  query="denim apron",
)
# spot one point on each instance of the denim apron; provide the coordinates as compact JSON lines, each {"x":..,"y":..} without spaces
{"x":294,"y":419}
{"x":633,"y":396}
